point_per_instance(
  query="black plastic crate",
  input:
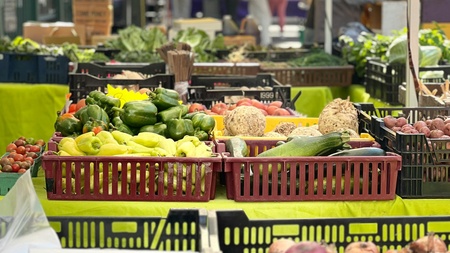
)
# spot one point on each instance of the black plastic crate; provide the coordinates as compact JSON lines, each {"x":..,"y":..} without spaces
{"x":382,"y":79}
{"x":107,"y":70}
{"x":237,"y":233}
{"x":181,"y":230}
{"x":425,"y":170}
{"x":211,"y":89}
{"x":33,"y":68}
{"x":277,"y":55}
{"x":81,"y":84}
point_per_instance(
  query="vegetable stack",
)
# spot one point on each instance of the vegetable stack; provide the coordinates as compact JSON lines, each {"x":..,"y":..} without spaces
{"x":162,"y":114}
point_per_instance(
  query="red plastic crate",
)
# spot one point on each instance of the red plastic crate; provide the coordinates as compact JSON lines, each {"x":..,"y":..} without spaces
{"x":375,"y":179}
{"x":66,"y":178}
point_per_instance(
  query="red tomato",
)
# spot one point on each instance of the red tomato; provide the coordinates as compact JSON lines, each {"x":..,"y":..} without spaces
{"x":220,"y":108}
{"x":21,"y":171}
{"x":11,"y":147}
{"x":21,"y":150}
{"x":15,"y":167}
{"x":281,"y":112}
{"x":196,"y":107}
{"x":18,"y":157}
{"x":276,"y":103}
{"x":271,"y":109}
{"x":35,"y":148}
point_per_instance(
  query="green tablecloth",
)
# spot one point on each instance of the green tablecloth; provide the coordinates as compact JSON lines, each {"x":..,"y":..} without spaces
{"x":314,"y":99}
{"x":29,"y":110}
{"x":255,"y":210}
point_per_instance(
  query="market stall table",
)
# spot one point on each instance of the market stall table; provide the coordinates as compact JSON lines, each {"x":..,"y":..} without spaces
{"x":254,"y":210}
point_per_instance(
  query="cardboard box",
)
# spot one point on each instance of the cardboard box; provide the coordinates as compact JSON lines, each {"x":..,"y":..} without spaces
{"x":96,"y":30}
{"x":93,"y":14}
{"x":210,"y":24}
{"x":42,"y":32}
{"x":98,"y":2}
{"x":445,"y":27}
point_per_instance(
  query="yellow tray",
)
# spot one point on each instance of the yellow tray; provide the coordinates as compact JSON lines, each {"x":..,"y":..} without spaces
{"x":272,"y":122}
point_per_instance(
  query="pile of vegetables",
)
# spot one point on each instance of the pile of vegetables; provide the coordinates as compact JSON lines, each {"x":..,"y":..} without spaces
{"x":393,"y":48}
{"x":160,"y":113}
{"x":71,"y":51}
{"x":428,"y":243}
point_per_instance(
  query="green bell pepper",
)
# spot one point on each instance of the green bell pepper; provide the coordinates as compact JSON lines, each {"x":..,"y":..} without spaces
{"x":158,"y":128}
{"x":203,"y":122}
{"x":163,"y":100}
{"x":68,"y":126}
{"x":167,"y":92}
{"x":178,"y":128}
{"x":93,"y":112}
{"x":94,"y":126}
{"x":172,"y":113}
{"x":137,"y":114}
{"x":201,"y":135}
{"x":120,"y":126}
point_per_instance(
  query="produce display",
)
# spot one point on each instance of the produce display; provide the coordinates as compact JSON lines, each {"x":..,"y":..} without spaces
{"x":434,"y":47}
{"x":438,"y":127}
{"x":145,"y":144}
{"x":21,"y":154}
{"x":428,"y":243}
{"x":160,"y":113}
{"x":71,"y":51}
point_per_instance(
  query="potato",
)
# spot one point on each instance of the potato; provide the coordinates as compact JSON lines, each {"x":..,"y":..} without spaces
{"x":401,"y":121}
{"x":428,"y":121}
{"x":419,"y":124}
{"x":436,"y":133}
{"x":447,"y":120}
{"x":390,"y":121}
{"x":425,"y":130}
{"x":446,"y":129}
{"x":406,"y":127}
{"x":437,"y":124}
{"x":395,"y":129}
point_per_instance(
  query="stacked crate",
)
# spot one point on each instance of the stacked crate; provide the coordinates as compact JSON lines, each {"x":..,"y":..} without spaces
{"x":95,"y":15}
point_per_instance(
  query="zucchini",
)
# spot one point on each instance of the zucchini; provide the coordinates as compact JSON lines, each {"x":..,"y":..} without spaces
{"x":310,"y":146}
{"x":237,"y":147}
{"x":366,"y":151}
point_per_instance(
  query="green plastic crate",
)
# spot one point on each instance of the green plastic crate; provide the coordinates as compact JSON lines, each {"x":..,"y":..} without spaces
{"x":7,"y":181}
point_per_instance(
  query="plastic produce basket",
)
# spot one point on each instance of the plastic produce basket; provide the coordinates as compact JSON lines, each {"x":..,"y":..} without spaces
{"x":340,"y":76}
{"x":209,"y":90}
{"x":237,"y":233}
{"x":107,"y":70}
{"x":136,"y":233}
{"x":7,"y":181}
{"x":226,"y":68}
{"x":81,"y":84}
{"x":103,"y":178}
{"x":33,"y":68}
{"x":309,"y":178}
{"x":425,"y":167}
{"x":383,"y":79}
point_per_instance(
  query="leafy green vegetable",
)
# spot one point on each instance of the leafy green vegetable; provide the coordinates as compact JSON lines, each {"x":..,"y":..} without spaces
{"x":137,"y":44}
{"x":205,"y":49}
{"x":317,"y":57}
{"x":367,"y":46}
